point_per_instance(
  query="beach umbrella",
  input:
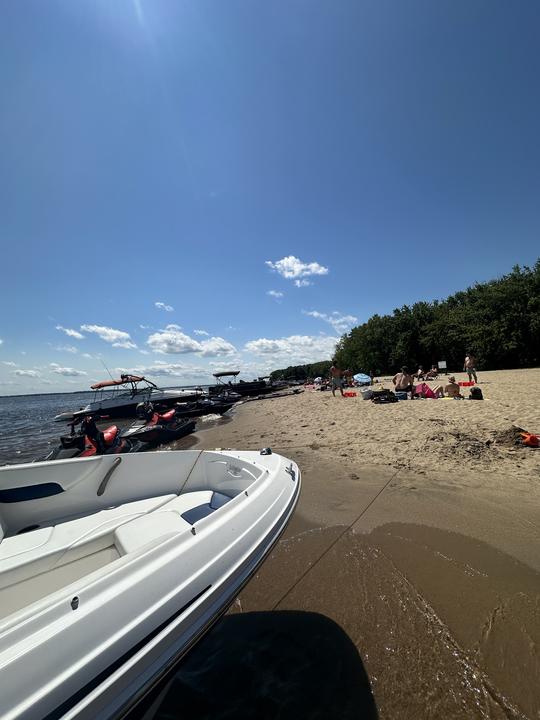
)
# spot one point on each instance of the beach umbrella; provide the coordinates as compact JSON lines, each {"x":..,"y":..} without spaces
{"x":362,"y":379}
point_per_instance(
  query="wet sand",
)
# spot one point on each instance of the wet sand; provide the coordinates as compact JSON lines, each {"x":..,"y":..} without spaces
{"x":427,"y":557}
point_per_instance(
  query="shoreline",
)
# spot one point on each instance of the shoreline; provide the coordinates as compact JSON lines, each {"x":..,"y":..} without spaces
{"x":417,"y":536}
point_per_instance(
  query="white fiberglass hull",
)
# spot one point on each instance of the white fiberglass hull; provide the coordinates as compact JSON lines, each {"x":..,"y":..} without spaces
{"x":115,"y":631}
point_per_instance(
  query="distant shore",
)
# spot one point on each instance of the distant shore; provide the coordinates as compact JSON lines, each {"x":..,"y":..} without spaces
{"x":420,"y":523}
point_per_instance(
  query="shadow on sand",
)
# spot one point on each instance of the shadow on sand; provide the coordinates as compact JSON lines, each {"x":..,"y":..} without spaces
{"x":269,"y":666}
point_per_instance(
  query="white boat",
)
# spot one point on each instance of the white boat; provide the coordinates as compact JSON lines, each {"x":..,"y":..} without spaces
{"x":112,"y":567}
{"x":119,"y":398}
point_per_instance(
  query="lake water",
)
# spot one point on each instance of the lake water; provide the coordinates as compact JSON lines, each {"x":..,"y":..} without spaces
{"x":27,"y":428}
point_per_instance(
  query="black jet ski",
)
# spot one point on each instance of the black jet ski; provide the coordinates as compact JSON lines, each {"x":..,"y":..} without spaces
{"x":154,"y":428}
{"x":204,"y":407}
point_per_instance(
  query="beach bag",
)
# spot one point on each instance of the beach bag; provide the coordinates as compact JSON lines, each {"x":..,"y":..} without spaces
{"x":401,"y":395}
{"x":383,"y":396}
{"x":475,"y":393}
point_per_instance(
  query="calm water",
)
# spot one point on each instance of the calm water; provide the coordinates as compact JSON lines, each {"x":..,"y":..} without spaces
{"x":27,"y":429}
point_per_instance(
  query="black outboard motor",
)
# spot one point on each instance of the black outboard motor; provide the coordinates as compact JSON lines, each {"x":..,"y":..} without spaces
{"x":144,"y":410}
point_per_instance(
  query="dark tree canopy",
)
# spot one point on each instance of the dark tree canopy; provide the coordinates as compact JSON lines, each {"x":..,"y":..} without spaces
{"x":302,"y":372}
{"x":497,"y":321}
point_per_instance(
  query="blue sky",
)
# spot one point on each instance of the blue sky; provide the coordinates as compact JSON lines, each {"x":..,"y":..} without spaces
{"x":348,"y":156}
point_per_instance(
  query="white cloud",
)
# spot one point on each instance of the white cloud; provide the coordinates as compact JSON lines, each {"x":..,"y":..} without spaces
{"x":72,"y":333}
{"x":216,"y":346}
{"x":276,"y":294}
{"x":127,"y":344}
{"x":9,"y":363}
{"x":292,"y":268}
{"x":66,"y":348}
{"x":163,"y":306}
{"x":1,"y":341}
{"x":27,"y":373}
{"x":340,"y":323}
{"x":295,"y":349}
{"x":66,"y":371}
{"x":172,"y":341}
{"x":118,"y":338}
{"x":88,"y":356}
{"x":201,"y":332}
{"x":164,"y":369}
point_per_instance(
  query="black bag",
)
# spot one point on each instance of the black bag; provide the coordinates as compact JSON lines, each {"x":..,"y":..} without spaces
{"x":381,"y":397}
{"x":476,"y":393}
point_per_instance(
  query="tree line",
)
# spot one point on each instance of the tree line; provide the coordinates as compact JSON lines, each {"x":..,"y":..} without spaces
{"x":497,"y":321}
{"x":302,"y":372}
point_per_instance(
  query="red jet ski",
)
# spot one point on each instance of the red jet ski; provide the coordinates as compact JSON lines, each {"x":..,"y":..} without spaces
{"x":108,"y":442}
{"x":156,"y":428}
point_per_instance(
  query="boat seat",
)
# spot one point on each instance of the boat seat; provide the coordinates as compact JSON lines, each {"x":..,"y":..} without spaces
{"x":193,"y":506}
{"x":170,"y":518}
{"x":41,"y":550}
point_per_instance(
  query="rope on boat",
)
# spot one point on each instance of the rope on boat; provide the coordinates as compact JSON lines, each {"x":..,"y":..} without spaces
{"x":200,"y":452}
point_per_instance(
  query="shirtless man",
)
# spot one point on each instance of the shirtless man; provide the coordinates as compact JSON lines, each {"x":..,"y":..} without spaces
{"x":469,"y":367}
{"x":335,"y":374}
{"x":453,"y":390}
{"x":403,"y":381}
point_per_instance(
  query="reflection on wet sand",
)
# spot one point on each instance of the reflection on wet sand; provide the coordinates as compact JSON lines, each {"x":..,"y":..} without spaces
{"x":436,"y":645}
{"x":287,"y":665}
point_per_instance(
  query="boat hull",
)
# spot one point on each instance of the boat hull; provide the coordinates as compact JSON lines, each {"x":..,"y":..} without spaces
{"x":130,"y":625}
{"x":116,"y":409}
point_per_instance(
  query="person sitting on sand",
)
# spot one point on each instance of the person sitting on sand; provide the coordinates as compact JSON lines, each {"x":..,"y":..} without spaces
{"x":432,"y":374}
{"x":452,"y":390}
{"x":335,"y":374}
{"x":403,"y":381}
{"x":420,"y":373}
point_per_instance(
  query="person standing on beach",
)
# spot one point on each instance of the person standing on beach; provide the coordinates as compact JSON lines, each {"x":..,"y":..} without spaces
{"x":469,"y":367}
{"x":335,"y":374}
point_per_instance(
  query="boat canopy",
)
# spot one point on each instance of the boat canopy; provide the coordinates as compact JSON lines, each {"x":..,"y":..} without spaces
{"x":227,"y":373}
{"x":124,"y":380}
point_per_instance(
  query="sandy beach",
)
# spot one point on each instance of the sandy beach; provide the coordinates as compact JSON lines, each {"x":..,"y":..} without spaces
{"x":418,"y":533}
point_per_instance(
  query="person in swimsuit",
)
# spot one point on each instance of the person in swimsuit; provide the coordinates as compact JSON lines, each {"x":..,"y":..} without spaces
{"x":452,"y":389}
{"x":469,"y":367}
{"x":335,"y":375}
{"x":403,"y":381}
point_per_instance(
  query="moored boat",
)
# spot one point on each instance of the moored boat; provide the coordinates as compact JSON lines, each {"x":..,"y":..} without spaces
{"x":115,"y":566}
{"x":119,"y":398}
{"x":243,"y":388}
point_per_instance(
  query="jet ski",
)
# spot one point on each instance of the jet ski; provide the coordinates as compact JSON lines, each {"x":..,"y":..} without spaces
{"x":82,"y":445}
{"x":206,"y":406}
{"x":155,"y":428}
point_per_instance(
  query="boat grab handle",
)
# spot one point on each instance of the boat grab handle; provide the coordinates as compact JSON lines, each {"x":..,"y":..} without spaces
{"x":103,"y":483}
